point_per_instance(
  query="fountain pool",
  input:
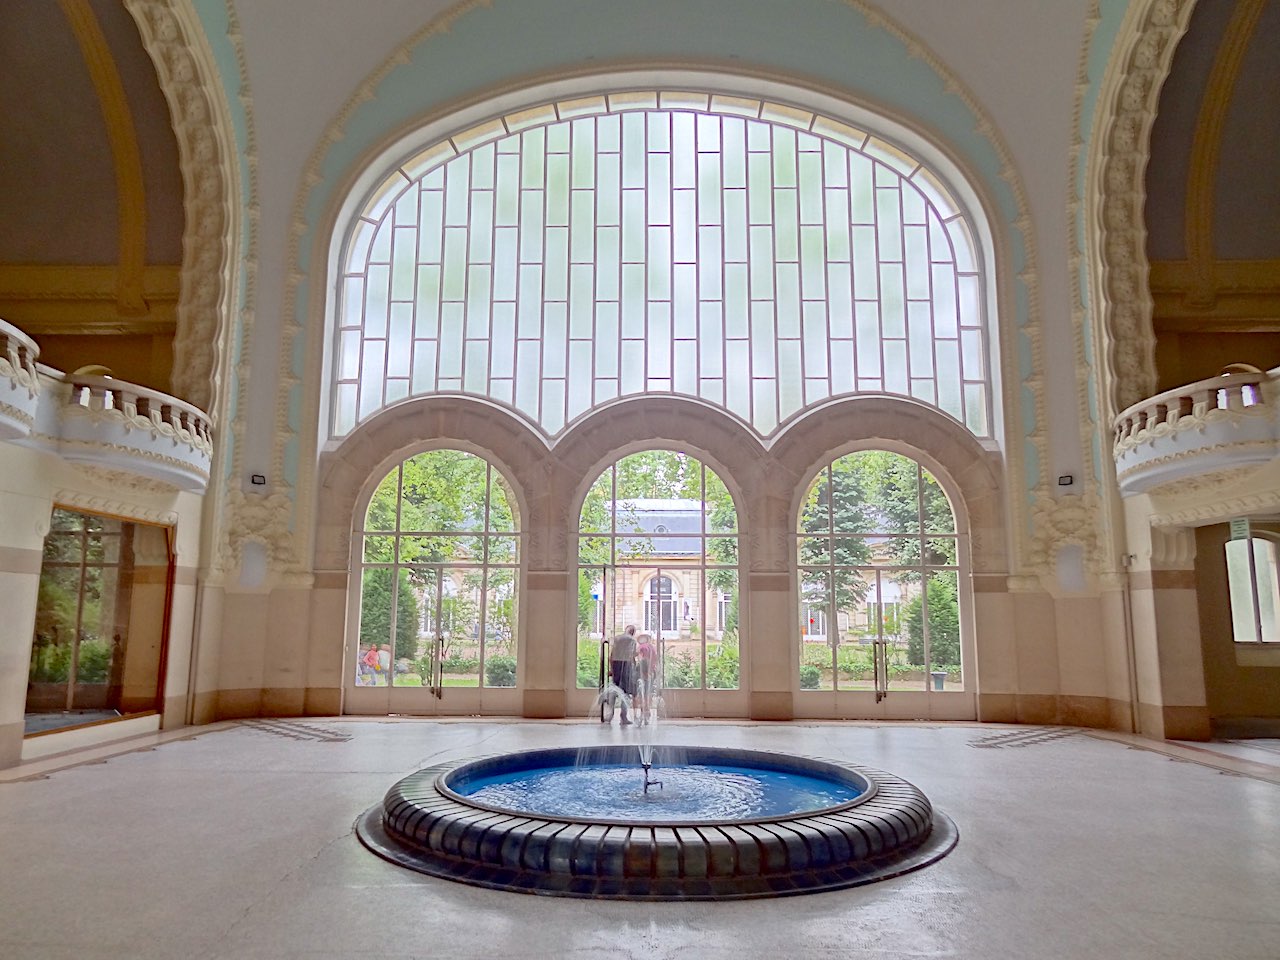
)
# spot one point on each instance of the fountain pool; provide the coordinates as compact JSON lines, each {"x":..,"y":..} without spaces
{"x":726,"y":824}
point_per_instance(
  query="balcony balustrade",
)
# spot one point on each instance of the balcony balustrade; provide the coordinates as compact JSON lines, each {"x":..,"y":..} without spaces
{"x":100,"y":422}
{"x":19,"y":382}
{"x":1224,"y":423}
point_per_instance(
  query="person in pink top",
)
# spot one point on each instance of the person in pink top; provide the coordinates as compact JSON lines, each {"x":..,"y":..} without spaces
{"x":646,"y":674}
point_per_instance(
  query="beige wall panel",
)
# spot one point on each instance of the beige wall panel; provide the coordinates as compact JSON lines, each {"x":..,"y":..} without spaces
{"x":1034,"y":622}
{"x":1081,"y":647}
{"x":1181,"y":663}
{"x":768,"y":633}
{"x":286,"y":646}
{"x":242,"y":650}
{"x":324,"y":644}
{"x":996,"y":643}
{"x":545,"y":625}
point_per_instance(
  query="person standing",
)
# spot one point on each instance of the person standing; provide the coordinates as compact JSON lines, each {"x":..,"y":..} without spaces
{"x":622,"y":666}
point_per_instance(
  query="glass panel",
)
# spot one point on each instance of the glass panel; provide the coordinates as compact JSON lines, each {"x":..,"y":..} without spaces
{"x":593,"y":624}
{"x":596,"y":516}
{"x":379,"y":549}
{"x":443,"y":490}
{"x":1267,"y":579}
{"x":502,"y":515}
{"x":943,"y":619}
{"x":1244,"y":622}
{"x":500,"y":629}
{"x":441,"y":549}
{"x":383,"y":609}
{"x":460,"y":607}
{"x":54,"y":642}
{"x":382,"y":506}
{"x":816,"y":660}
{"x":723,"y":651}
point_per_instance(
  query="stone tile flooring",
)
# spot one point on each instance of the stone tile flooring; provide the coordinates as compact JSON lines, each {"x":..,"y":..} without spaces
{"x":235,"y":841}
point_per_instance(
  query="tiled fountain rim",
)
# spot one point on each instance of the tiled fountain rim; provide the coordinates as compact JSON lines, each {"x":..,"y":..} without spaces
{"x":663,"y":755}
{"x":891,"y":833}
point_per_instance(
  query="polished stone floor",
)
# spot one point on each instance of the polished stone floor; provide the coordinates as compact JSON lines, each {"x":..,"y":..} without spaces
{"x":235,"y":841}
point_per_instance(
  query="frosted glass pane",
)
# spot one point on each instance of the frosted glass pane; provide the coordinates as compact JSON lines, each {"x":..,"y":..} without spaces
{"x":760,"y":189}
{"x":761,"y":263}
{"x":736,"y":311}
{"x":840,"y":300}
{"x":608,"y":266}
{"x":786,"y":242}
{"x":710,"y":264}
{"x":895,"y":366}
{"x":400,"y":340}
{"x":790,"y":379}
{"x":659,"y":263}
{"x":709,"y":192}
{"x":917,"y":263}
{"x":738,"y":386}
{"x":372,"y":373}
{"x":711,"y":335}
{"x":949,"y":395}
{"x":813,"y":263}
{"x":763,"y":339}
{"x":867,"y":317}
{"x":481,"y":228}
{"x":582,"y":225}
{"x":913,"y":204}
{"x":555,"y":341}
{"x":658,"y":353}
{"x":606,"y":341}
{"x":345,"y":403}
{"x":555,"y":280}
{"x":451,"y":329}
{"x":971,"y":353}
{"x":503,"y":352}
{"x":349,"y":355}
{"x":478,"y":301}
{"x":685,"y":376}
{"x":764,"y":401}
{"x":608,"y":190}
{"x":815,"y":340}
{"x":889,"y":224}
{"x":424,"y":366}
{"x":579,"y":382}
{"x":944,"y":300}
{"x":375,"y":302}
{"x":735,"y":226}
{"x":788,"y":300}
{"x":892,"y":306}
{"x":403,"y":268}
{"x":842,"y":379}
{"x":1240,"y":586}
{"x":505,"y":245}
{"x":975,"y":408}
{"x":684,"y":222}
{"x":866,"y":282}
{"x":633,"y":378}
{"x":920,"y":336}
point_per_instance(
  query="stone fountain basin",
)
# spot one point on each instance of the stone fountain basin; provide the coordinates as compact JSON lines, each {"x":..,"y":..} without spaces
{"x":423,"y":823}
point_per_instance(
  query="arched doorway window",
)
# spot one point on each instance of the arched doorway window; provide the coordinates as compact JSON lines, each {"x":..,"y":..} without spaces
{"x":439,"y":565}
{"x":658,"y":548}
{"x":878,"y":559}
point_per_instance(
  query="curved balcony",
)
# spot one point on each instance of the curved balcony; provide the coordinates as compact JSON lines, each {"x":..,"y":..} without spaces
{"x":19,"y":382}
{"x":117,"y":425}
{"x":1223,"y":423}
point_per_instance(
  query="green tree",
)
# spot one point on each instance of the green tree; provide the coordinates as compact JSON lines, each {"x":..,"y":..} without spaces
{"x":835,"y":507}
{"x":375,"y":611}
{"x":944,"y":623}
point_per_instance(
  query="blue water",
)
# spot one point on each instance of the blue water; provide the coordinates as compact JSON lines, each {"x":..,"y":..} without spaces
{"x":689,"y":794}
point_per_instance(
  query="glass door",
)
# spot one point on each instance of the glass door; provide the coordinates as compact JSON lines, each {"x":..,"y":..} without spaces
{"x":658,"y":551}
{"x":879,"y":595}
{"x":434,"y":620}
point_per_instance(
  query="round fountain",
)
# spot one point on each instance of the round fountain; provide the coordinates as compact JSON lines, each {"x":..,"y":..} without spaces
{"x":715,"y":824}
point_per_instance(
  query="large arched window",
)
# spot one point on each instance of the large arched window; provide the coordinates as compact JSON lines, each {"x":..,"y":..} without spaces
{"x":877,"y":552}
{"x":679,"y":585}
{"x":439,"y":569}
{"x":755,"y":256}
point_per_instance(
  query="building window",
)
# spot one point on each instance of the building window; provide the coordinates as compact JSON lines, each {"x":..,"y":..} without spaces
{"x":660,"y":608}
{"x":1254,"y":586}
{"x":759,"y":258}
